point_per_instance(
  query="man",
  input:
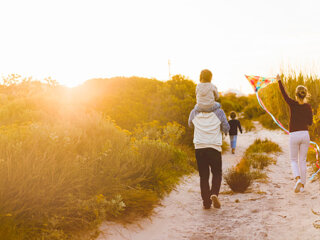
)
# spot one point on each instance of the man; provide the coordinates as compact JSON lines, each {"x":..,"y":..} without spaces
{"x":208,"y":128}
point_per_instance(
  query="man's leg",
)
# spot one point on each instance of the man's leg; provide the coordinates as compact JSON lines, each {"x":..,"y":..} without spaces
{"x":215,"y":163}
{"x":203,"y":167}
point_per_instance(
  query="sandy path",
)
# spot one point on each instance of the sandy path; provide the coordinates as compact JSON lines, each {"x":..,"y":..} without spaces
{"x":271,"y":211}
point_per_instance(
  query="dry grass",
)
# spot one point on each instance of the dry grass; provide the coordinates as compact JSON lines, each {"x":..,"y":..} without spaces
{"x":237,"y":181}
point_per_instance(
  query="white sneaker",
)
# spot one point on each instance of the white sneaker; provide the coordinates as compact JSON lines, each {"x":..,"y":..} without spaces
{"x":301,"y":189}
{"x":298,"y":186}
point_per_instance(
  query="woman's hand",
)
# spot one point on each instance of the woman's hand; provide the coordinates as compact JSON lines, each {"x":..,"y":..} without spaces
{"x":278,"y":77}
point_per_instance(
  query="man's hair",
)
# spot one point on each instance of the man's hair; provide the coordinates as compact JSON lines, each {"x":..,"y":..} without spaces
{"x":233,"y":115}
{"x":205,"y":75}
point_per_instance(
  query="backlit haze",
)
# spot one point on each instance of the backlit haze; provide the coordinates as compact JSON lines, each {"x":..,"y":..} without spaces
{"x":73,"y":41}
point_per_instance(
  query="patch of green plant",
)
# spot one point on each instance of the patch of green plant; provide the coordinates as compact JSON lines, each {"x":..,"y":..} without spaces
{"x":258,"y":174}
{"x":259,"y":160}
{"x":247,"y":125}
{"x":225,"y":146}
{"x":238,"y":181}
{"x":267,"y":122}
{"x":263,"y":146}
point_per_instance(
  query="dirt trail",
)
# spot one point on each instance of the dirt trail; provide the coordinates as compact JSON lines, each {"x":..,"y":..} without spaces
{"x":271,"y":211}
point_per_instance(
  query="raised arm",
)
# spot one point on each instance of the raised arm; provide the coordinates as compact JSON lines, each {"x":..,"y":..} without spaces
{"x":288,"y":100}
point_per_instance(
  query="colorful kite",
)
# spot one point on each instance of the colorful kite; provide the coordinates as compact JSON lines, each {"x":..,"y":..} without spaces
{"x":260,"y":82}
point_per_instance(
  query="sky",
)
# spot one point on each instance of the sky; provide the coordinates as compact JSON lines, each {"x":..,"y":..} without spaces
{"x":73,"y":41}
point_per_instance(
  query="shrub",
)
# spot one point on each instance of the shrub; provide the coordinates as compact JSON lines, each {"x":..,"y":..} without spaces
{"x":225,"y":146}
{"x":252,"y":111}
{"x":257,"y":174}
{"x":266,"y":146}
{"x":259,"y":160}
{"x":237,"y":181}
{"x":243,"y":165}
{"x":247,"y":125}
{"x":60,"y":179}
{"x":267,"y":122}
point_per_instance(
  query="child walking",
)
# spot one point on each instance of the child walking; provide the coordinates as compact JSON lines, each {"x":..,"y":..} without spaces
{"x":206,"y":92}
{"x":300,"y":119}
{"x":233,"y":132}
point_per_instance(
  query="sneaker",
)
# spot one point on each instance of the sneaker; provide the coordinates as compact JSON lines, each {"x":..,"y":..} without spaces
{"x":298,"y":186}
{"x":215,"y":200}
{"x":301,"y":189}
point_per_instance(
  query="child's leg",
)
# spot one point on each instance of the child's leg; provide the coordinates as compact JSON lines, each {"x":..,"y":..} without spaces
{"x":233,"y":141}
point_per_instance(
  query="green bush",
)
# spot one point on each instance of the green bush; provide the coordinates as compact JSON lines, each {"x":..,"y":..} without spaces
{"x":258,"y":174}
{"x":58,"y":180}
{"x":259,"y":160}
{"x":253,"y":111}
{"x":247,"y":125}
{"x":238,"y":181}
{"x":267,"y":122}
{"x":266,"y":146}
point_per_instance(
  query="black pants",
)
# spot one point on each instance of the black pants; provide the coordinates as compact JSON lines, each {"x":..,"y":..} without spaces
{"x":209,"y":158}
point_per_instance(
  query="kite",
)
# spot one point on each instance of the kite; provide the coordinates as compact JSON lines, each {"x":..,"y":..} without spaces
{"x":257,"y":83}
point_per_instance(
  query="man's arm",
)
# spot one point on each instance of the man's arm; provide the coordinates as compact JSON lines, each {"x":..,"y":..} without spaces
{"x":225,"y":127}
{"x":191,"y":117}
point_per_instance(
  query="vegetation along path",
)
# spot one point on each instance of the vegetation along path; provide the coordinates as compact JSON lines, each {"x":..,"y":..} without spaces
{"x":268,"y":210}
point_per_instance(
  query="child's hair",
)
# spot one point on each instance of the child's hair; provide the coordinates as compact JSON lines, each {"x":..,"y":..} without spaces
{"x":233,"y":115}
{"x":205,"y":76}
{"x":301,"y":92}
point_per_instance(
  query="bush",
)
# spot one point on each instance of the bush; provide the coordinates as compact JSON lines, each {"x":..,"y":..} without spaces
{"x":225,"y":146}
{"x":247,"y":125}
{"x":267,"y":122}
{"x":253,"y":111}
{"x":258,"y":160}
{"x":238,"y":181}
{"x":257,"y":174}
{"x":60,"y":179}
{"x":266,"y":146}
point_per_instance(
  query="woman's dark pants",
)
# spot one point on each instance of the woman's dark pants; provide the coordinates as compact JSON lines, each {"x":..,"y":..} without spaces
{"x":209,"y":159}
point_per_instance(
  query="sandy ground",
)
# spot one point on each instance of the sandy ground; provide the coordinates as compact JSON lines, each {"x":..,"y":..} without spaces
{"x":270,"y":211}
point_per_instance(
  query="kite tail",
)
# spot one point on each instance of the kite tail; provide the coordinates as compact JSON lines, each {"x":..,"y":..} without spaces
{"x":274,"y":119}
{"x":316,"y":147}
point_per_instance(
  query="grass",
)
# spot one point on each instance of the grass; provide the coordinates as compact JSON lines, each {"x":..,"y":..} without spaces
{"x":225,"y":146}
{"x":263,"y":146}
{"x":259,"y":160}
{"x":247,"y":125}
{"x":258,"y":175}
{"x":251,"y":165}
{"x":237,"y":181}
{"x":61,"y":180}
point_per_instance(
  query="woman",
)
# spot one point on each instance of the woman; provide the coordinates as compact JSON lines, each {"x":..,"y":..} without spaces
{"x":233,"y":132}
{"x":299,"y":140}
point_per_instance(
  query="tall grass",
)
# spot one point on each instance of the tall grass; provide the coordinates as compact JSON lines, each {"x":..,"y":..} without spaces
{"x":265,"y":145}
{"x":273,"y":100}
{"x":240,"y":177}
{"x":65,"y":168}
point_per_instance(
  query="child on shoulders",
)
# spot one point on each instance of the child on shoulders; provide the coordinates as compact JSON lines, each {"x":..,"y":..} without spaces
{"x":206,"y":92}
